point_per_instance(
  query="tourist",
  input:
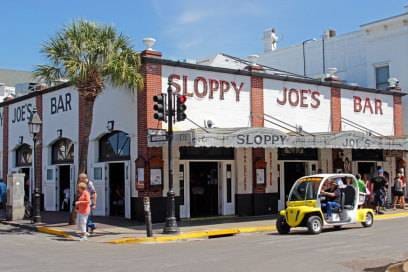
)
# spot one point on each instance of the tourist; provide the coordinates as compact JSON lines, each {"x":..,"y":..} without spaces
{"x":83,"y":208}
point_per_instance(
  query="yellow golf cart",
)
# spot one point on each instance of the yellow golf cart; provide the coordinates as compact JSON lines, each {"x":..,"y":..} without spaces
{"x":307,"y":204}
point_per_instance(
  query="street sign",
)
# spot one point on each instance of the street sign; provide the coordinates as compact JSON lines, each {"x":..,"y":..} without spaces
{"x":156,"y":131}
{"x":158,"y":138}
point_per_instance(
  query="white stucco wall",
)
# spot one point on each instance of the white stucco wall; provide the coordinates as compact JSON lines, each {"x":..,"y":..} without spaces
{"x":118,"y":105}
{"x":19,"y":114}
{"x":380,"y":120}
{"x":60,"y":112}
{"x":226,"y":112}
{"x":310,"y":106}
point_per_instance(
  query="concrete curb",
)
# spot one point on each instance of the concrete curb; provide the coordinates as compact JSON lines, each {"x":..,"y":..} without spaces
{"x":41,"y":229}
{"x":204,"y":234}
{"x":399,"y":267}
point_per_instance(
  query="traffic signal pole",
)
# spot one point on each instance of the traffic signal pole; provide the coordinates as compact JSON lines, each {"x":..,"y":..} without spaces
{"x":171,"y":223}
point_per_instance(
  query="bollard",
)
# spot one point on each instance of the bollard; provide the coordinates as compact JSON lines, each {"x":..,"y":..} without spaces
{"x":148,"y":216}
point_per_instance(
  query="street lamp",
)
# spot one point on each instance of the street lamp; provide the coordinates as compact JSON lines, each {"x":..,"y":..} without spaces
{"x":34,"y":127}
{"x":304,"y":55}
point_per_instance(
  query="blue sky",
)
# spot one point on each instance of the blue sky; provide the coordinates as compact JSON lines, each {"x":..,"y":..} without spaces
{"x":184,"y":29}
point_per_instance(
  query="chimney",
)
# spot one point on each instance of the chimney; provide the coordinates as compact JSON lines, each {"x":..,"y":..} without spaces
{"x":329,"y":33}
{"x":270,"y":40}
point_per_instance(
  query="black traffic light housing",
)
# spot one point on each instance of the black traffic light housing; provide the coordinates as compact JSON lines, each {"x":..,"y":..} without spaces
{"x":159,"y":107}
{"x":181,"y":108}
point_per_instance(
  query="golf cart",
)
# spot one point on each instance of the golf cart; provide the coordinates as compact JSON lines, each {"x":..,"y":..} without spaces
{"x":306,"y":205}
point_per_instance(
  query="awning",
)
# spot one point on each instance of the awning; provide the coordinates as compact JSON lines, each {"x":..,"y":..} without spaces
{"x":273,"y":138}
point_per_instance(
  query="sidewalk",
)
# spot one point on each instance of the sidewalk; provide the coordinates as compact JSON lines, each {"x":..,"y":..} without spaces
{"x":117,"y":230}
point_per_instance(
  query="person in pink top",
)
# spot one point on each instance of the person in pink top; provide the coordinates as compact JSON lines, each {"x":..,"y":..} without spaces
{"x":83,"y":208}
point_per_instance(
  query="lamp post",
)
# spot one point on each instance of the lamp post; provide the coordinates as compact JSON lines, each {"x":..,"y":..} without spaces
{"x":304,"y":54}
{"x":170,"y":225}
{"x":34,"y":126}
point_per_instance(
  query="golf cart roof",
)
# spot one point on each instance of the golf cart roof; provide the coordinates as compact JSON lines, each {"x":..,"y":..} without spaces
{"x":327,"y":176}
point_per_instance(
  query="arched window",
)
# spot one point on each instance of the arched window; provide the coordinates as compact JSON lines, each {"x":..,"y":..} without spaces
{"x":114,"y":146}
{"x":24,"y":155}
{"x":62,"y":151}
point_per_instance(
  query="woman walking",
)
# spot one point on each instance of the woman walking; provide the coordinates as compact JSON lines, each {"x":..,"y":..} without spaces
{"x":399,"y":191}
{"x":83,"y":209}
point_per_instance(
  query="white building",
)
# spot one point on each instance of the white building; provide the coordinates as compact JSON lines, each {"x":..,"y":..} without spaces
{"x":366,"y":57}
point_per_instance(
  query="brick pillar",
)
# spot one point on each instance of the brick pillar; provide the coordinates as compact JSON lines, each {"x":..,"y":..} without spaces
{"x":257,"y":98}
{"x":398,"y":116}
{"x":335,"y":109}
{"x":5,"y":141}
{"x":152,"y":86}
{"x":38,"y":151}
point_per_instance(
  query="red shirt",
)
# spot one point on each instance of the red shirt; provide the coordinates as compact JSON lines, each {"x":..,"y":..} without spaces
{"x":84,"y":207}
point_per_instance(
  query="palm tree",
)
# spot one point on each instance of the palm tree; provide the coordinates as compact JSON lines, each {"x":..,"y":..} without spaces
{"x":88,"y":54}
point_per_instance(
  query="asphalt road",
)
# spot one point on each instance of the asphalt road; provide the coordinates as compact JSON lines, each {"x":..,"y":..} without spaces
{"x":349,"y":249}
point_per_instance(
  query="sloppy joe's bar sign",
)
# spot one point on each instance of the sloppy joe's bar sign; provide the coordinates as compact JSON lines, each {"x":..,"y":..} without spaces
{"x":205,"y":87}
{"x":272,"y":138}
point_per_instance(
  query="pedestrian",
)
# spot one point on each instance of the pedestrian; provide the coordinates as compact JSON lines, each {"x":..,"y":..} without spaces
{"x":3,"y":194}
{"x":90,"y":226}
{"x":399,"y":192}
{"x":362,"y":189}
{"x":83,"y":208}
{"x":380,"y":185}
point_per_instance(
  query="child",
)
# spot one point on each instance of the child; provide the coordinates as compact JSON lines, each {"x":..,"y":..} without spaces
{"x":83,"y":209}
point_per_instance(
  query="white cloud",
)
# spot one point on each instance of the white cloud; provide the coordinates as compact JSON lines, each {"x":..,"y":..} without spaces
{"x":191,"y":16}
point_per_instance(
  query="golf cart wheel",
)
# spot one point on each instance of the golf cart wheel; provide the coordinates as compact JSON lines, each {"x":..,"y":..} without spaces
{"x":314,"y":224}
{"x":282,"y":226}
{"x":369,"y":221}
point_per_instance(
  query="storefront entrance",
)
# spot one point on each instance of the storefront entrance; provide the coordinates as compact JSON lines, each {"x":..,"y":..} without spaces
{"x":203,"y":189}
{"x":117,"y":189}
{"x":64,"y":190}
{"x":292,"y":172}
{"x":27,"y":182}
{"x":366,"y":169}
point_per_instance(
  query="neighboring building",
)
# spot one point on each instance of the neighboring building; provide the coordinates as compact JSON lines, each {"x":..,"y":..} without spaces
{"x":367,"y":57}
{"x":13,"y":82}
{"x":267,"y":129}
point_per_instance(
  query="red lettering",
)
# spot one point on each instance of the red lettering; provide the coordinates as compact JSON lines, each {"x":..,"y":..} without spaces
{"x":378,"y":106}
{"x":357,"y":104}
{"x":177,"y":86}
{"x":225,"y":86}
{"x":237,"y":90}
{"x":185,"y":90}
{"x":213,"y":87}
{"x":203,"y":93}
{"x":283,"y":101}
{"x":293,"y":97}
{"x":367,"y":104}
{"x":303,"y":98}
{"x":315,"y":99}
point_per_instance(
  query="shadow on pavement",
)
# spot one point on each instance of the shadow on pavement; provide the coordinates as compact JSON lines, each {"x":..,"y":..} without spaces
{"x":15,"y":230}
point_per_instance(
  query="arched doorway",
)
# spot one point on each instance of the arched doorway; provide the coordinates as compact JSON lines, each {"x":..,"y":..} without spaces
{"x":114,"y":151}
{"x":62,"y":158}
{"x":24,"y":162}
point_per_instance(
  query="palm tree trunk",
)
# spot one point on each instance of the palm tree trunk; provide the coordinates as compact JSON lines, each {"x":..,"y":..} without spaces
{"x":86,"y":105}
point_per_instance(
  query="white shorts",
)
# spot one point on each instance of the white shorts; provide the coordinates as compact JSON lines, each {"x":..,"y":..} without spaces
{"x":81,"y":222}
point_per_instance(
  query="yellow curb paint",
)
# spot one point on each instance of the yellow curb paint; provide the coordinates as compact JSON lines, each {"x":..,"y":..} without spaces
{"x":222,"y":232}
{"x":53,"y":232}
{"x":391,"y":216}
{"x":193,"y":235}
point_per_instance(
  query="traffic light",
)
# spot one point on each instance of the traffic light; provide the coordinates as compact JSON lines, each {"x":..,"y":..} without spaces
{"x":181,"y":108}
{"x":159,"y":107}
